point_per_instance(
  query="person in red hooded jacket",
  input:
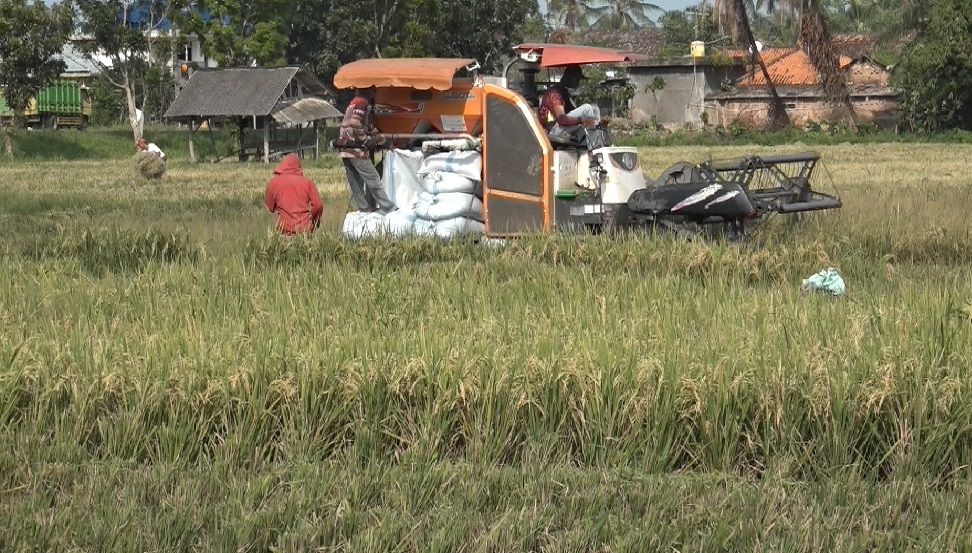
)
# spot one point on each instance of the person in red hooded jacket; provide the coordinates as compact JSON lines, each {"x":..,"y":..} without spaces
{"x":293,"y":197}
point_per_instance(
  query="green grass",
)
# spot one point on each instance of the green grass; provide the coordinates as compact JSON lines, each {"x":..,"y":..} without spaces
{"x":174,"y":376}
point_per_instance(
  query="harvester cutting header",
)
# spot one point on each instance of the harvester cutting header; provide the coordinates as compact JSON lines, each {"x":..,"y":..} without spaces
{"x":467,"y":155}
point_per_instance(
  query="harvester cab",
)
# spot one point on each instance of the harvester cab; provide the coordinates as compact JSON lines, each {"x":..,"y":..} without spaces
{"x":592,"y":167}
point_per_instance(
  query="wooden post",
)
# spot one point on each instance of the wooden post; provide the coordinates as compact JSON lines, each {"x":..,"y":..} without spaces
{"x":266,"y":140}
{"x":242,"y":153}
{"x":317,"y":140}
{"x":192,"y":149}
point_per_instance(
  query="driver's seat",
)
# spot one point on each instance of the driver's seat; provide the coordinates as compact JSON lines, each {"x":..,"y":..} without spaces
{"x":563,"y":142}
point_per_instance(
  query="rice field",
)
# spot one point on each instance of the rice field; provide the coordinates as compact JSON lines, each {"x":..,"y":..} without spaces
{"x":175,"y":377}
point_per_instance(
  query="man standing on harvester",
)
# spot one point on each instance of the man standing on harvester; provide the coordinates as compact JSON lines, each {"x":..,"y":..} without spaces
{"x":557,"y":112}
{"x":356,"y":139}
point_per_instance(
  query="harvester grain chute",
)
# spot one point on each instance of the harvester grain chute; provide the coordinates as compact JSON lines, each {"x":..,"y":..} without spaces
{"x":529,"y":183}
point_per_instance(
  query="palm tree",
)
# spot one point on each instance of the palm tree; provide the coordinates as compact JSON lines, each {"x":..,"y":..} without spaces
{"x":733,"y":13}
{"x":816,"y":38}
{"x":623,"y":14}
{"x":572,"y":13}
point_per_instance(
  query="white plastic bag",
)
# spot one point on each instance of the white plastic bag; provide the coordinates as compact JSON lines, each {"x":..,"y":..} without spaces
{"x":400,"y":176}
{"x":438,"y":182}
{"x":436,"y":207}
{"x":466,"y":163}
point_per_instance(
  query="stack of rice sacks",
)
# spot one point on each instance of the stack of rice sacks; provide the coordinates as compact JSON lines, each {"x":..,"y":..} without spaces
{"x":451,"y":203}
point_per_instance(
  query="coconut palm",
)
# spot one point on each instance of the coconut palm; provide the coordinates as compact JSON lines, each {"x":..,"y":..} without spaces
{"x":623,"y":14}
{"x":816,"y":38}
{"x":573,"y":14}
{"x":733,"y":13}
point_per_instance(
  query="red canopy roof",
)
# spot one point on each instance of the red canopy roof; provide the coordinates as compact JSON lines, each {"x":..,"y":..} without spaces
{"x":559,"y":55}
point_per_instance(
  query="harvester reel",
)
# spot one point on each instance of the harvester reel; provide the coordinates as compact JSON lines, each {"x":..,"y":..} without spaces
{"x":680,"y":173}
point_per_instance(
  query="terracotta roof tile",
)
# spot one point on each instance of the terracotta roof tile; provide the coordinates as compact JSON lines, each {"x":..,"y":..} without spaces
{"x":786,"y":67}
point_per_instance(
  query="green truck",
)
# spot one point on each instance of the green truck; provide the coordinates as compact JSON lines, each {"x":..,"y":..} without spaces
{"x":63,"y":104}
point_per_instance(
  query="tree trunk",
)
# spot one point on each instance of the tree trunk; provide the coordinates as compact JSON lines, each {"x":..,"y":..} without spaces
{"x":138,"y":124}
{"x":777,"y":113}
{"x":825,"y":59}
{"x":8,"y":141}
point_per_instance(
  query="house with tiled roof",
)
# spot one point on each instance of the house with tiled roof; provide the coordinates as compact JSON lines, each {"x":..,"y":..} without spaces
{"x":721,"y":87}
{"x":799,"y":84}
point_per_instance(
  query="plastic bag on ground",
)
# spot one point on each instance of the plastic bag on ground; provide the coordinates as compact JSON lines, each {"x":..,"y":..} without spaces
{"x":827,"y":280}
{"x":466,"y":163}
{"x":437,"y":207}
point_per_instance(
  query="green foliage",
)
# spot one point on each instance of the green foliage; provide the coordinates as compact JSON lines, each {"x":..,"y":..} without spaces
{"x":240,"y":32}
{"x":31,"y":38}
{"x":107,"y":104}
{"x":127,"y":48}
{"x":680,"y":29}
{"x":935,"y":74}
{"x":329,"y":33}
{"x":601,"y":90}
{"x":158,"y":91}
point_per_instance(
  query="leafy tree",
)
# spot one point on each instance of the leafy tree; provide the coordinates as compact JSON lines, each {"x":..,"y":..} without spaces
{"x":485,"y":30}
{"x":31,"y":38}
{"x":239,"y":33}
{"x":935,"y":74}
{"x":678,"y":32}
{"x":326,"y":34}
{"x":117,"y":38}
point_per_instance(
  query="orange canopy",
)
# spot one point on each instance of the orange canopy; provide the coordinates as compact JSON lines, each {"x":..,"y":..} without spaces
{"x":558,"y":55}
{"x":420,"y":73}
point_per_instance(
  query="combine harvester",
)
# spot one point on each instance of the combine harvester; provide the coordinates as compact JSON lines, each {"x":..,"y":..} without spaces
{"x":469,"y":156}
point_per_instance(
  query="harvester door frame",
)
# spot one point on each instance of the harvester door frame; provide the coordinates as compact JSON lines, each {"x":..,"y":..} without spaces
{"x":517,"y":166}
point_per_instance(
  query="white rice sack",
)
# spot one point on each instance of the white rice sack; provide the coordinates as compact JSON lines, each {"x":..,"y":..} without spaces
{"x":352,"y":223}
{"x":456,"y":226}
{"x":423,"y":227}
{"x":439,"y":182}
{"x":466,"y":163}
{"x":400,"y":176}
{"x":358,"y":224}
{"x":436,"y":207}
{"x":400,"y":223}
